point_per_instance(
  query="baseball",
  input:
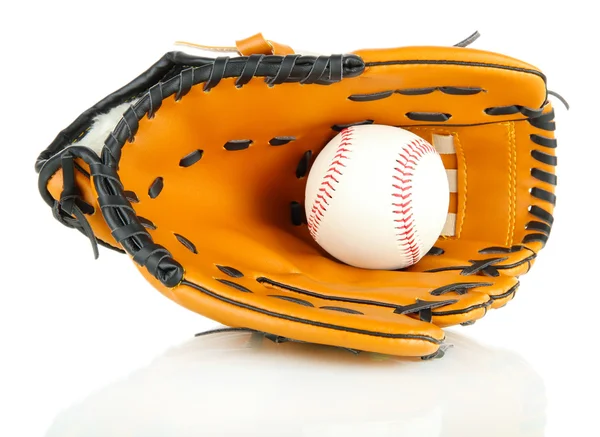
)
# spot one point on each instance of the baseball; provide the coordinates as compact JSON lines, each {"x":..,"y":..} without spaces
{"x":377,"y":197}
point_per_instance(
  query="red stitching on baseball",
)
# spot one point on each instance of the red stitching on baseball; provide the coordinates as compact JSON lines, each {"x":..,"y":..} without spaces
{"x":426,"y":147}
{"x":398,"y":187}
{"x":409,"y":242}
{"x":320,"y":196}
{"x":404,"y":211}
{"x":420,"y":148}
{"x":341,"y":155}
{"x":413,"y":159}
{"x":399,"y":170}
{"x":337,"y":163}
{"x":318,"y":209}
{"x":408,"y":167}
{"x":415,"y":149}
{"x":325,"y":185}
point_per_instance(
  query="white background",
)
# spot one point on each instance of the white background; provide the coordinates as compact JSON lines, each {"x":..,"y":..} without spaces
{"x":69,"y":324}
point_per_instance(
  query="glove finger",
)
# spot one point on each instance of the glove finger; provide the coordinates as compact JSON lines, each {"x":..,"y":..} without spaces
{"x":353,"y":325}
{"x":444,"y":305}
{"x":55,"y":187}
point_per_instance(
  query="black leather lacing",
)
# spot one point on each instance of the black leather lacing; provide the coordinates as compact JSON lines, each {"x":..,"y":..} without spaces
{"x":452,"y":90}
{"x":423,"y":308}
{"x":544,"y":121}
{"x":485,"y":267}
{"x":468,"y":40}
{"x":174,"y":75}
{"x":191,"y":158}
{"x":341,"y":127}
{"x":514,"y":109}
{"x":436,"y":251}
{"x":280,"y":141}
{"x":503,"y":249}
{"x":70,"y":209}
{"x":559,"y":97}
{"x":230,"y":271}
{"x":543,"y":220}
{"x":459,"y":288}
{"x":297,"y":214}
{"x":304,"y":164}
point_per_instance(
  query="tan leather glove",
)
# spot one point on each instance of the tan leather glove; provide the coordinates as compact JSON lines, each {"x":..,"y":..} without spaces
{"x":202,"y":179}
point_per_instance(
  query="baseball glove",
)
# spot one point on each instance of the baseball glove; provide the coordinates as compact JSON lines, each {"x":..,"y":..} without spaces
{"x":197,"y":170}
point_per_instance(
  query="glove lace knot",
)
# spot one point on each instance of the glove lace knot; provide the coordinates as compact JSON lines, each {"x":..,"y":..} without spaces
{"x":71,"y":208}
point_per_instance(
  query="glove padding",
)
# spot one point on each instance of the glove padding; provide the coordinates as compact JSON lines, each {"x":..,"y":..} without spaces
{"x":202,"y":182}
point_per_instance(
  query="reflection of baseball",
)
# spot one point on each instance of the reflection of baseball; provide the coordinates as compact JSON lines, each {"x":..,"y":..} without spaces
{"x":377,"y":197}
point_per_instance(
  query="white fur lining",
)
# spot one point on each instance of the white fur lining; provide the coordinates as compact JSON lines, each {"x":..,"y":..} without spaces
{"x":102,"y":126}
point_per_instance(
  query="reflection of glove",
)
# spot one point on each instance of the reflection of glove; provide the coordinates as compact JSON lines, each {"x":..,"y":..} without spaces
{"x":202,"y":181}
{"x":294,"y":389}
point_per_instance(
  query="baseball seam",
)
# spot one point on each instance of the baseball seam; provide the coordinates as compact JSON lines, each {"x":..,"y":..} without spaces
{"x":320,"y":204}
{"x":407,"y":235}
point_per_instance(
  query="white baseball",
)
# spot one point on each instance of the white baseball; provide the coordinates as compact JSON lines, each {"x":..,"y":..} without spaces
{"x":377,"y":197}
